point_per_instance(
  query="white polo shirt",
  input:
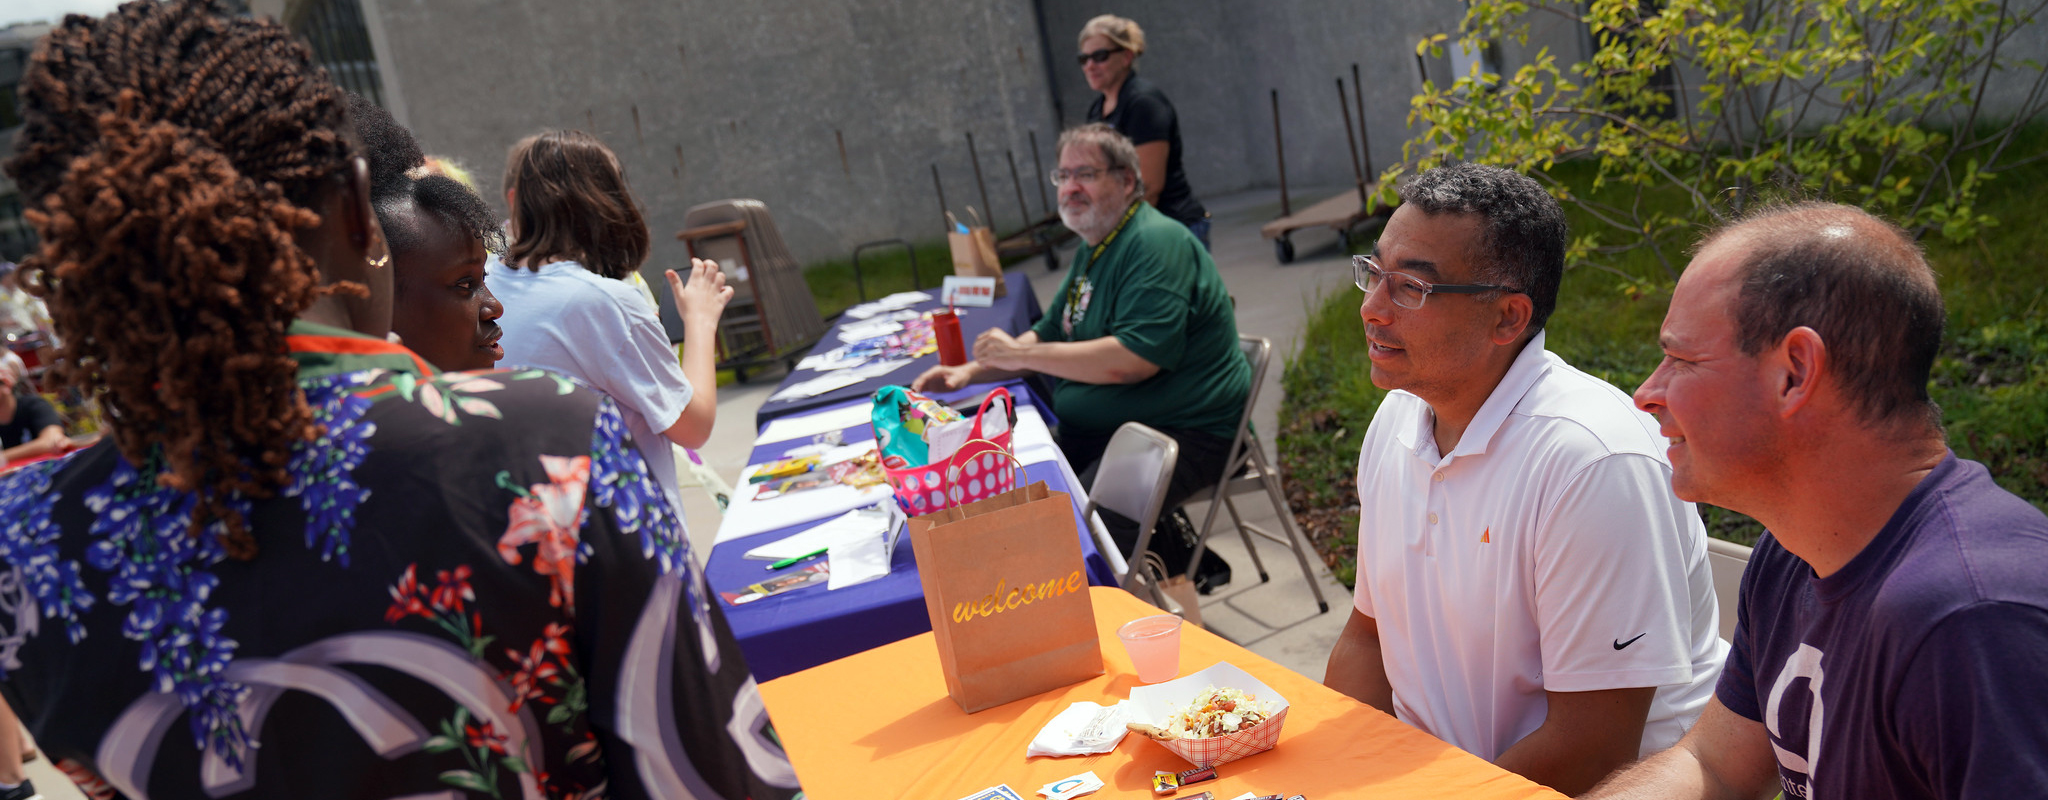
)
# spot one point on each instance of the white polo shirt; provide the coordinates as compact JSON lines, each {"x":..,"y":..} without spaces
{"x":1546,"y":552}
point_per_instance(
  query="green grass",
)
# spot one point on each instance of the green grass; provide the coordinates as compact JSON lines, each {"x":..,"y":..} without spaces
{"x":1991,"y":380}
{"x":883,"y":270}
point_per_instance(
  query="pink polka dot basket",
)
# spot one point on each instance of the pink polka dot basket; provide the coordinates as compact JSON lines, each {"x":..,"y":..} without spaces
{"x":981,"y":469}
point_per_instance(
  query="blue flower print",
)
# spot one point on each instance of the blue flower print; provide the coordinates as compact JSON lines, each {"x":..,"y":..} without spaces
{"x":28,"y":541}
{"x":323,"y":470}
{"x":143,"y":537}
{"x":620,"y":480}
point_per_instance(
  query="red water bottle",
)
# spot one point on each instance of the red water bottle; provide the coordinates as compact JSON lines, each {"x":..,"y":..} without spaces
{"x":946,"y":330}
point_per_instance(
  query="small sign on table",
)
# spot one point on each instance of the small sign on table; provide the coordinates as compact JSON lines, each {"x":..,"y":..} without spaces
{"x":961,"y":290}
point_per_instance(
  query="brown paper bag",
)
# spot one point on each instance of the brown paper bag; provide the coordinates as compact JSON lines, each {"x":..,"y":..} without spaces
{"x":1007,"y":591}
{"x":974,"y":255}
{"x":1178,"y":587}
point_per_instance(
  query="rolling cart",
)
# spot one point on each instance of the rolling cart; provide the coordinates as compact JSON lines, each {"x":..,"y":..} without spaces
{"x":1340,"y":213}
{"x":772,"y":317}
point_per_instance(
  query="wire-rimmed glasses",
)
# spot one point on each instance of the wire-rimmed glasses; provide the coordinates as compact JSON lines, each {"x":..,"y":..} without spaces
{"x":1085,"y":175}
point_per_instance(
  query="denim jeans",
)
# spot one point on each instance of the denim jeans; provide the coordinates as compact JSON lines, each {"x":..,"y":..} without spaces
{"x":1200,"y":228}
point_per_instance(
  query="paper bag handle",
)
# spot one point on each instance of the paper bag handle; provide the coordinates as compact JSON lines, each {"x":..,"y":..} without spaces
{"x":1016,"y":471}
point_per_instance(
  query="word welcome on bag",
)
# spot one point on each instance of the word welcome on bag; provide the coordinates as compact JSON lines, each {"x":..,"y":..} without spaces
{"x":1021,"y":596}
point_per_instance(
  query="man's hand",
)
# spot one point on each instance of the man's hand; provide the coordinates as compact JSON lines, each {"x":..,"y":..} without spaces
{"x":702,"y":299}
{"x":1725,"y":755}
{"x":943,"y":378}
{"x":1000,"y":350}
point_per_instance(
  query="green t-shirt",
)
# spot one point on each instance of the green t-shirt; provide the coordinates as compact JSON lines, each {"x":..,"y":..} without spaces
{"x":1155,"y":290}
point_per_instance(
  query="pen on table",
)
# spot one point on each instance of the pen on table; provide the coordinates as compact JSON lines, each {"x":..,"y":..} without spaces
{"x":794,"y":560}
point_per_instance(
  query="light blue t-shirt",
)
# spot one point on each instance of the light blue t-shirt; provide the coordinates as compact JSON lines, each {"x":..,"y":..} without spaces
{"x":600,"y":331}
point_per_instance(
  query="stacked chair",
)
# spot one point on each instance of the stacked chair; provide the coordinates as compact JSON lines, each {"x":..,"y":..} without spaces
{"x":772,"y":316}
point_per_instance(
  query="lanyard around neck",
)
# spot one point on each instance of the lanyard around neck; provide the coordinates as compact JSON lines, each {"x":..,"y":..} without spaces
{"x":1081,"y":270}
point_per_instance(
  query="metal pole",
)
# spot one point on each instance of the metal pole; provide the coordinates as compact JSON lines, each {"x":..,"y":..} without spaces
{"x":979,"y":183}
{"x":1021,"y":208}
{"x":1358,"y":92}
{"x":945,"y":216}
{"x":1280,"y":152}
{"x":1350,"y":141}
{"x":1044,"y":205}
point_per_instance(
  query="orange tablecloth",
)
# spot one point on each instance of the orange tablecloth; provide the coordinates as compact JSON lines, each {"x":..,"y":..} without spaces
{"x":879,"y":724}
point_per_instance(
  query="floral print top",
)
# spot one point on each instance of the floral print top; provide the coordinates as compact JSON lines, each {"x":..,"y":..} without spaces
{"x":471,"y":588}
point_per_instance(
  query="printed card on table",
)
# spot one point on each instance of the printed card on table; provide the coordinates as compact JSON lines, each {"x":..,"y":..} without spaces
{"x":977,"y":292}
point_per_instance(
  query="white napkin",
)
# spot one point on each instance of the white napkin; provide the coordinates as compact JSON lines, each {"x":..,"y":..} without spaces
{"x":1083,"y":729}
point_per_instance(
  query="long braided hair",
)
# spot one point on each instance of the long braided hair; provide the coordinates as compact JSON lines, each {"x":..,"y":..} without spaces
{"x":170,"y":152}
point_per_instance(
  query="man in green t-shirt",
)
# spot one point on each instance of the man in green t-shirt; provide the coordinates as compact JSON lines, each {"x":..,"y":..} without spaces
{"x":1141,"y":331}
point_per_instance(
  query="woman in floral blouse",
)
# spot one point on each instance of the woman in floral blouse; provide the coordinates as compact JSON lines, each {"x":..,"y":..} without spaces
{"x":303,"y":565}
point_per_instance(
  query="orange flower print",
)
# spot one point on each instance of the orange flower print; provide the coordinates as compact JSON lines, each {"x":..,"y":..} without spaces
{"x":549,"y":515}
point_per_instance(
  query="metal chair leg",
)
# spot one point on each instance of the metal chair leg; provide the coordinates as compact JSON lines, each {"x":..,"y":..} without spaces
{"x":1217,"y":495}
{"x":1245,"y":532}
{"x":1296,"y":540}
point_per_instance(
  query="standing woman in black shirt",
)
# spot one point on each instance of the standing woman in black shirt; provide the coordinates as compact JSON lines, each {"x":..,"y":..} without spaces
{"x":1110,"y":46}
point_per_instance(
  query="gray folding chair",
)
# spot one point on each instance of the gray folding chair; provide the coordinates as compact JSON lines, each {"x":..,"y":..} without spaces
{"x":1725,"y":561}
{"x":1132,"y":480}
{"x":1247,"y":471}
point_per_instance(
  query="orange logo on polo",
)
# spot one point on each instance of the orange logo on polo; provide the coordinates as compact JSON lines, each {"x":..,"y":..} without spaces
{"x":1486,"y":536}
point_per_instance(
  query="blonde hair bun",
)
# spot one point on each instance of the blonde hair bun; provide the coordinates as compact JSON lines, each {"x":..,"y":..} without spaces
{"x":1119,"y":31}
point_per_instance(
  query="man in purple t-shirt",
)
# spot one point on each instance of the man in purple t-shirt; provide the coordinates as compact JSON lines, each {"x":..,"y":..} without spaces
{"x":1892,"y":637}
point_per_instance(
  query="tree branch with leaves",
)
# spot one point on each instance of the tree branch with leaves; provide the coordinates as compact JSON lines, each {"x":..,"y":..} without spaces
{"x":1877,"y":103}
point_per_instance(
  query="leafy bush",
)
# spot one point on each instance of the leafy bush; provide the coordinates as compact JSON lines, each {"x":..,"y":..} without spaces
{"x":1878,"y":103}
{"x":1688,"y":112}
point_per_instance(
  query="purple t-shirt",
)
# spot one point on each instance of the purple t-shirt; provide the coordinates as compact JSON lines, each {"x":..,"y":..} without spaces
{"x":1916,"y":671}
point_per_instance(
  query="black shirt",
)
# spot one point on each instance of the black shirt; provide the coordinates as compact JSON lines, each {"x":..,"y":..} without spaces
{"x":31,"y":415}
{"x":1144,"y":115}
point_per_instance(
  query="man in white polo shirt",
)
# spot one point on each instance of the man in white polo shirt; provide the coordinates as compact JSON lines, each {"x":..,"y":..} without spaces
{"x":1529,"y":589}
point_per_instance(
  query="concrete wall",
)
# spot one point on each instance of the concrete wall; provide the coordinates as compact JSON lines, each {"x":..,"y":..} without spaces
{"x":744,"y":100}
{"x":1219,"y":60}
{"x":706,"y":101}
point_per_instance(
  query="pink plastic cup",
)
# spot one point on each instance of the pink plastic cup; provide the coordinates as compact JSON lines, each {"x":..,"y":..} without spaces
{"x":1154,"y":645}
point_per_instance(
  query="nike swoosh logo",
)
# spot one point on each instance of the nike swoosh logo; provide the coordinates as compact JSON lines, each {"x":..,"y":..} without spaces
{"x":1619,"y":644}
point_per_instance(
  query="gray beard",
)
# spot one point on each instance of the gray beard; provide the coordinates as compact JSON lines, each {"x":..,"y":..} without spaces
{"x":1093,"y":224}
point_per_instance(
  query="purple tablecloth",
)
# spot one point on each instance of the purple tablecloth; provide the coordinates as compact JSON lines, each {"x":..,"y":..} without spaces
{"x":1014,"y":312}
{"x":809,"y":626}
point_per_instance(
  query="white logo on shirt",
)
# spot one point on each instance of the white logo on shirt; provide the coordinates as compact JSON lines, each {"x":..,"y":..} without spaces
{"x":1804,"y":663}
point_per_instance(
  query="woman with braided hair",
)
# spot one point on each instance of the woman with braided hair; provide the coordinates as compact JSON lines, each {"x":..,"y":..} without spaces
{"x":304,"y":565}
